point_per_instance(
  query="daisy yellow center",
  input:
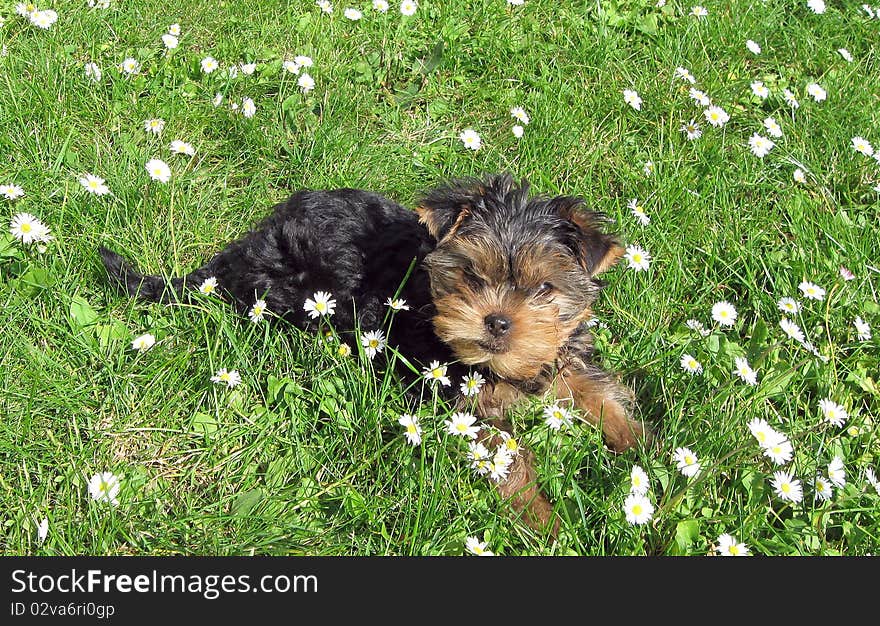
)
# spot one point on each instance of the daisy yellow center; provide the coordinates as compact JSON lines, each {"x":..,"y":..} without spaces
{"x":637,"y":257}
{"x":208,"y":288}
{"x":786,"y":487}
{"x":461,"y":426}
{"x":436,"y":372}
{"x":411,"y":428}
{"x":157,"y":171}
{"x":374,"y":343}
{"x":713,"y":115}
{"x":93,"y":184}
{"x":224,"y":377}
{"x":734,"y":550}
{"x":471,"y":383}
{"x":320,"y":307}
{"x":558,"y":415}
{"x":723,"y":313}
{"x":512,"y":444}
{"x":690,"y":460}
{"x":344,"y":350}
{"x":636,"y":481}
{"x":637,"y":509}
{"x":831,"y":413}
{"x":761,"y":436}
{"x":26,"y":228}
{"x":104,"y":487}
{"x":692,"y":363}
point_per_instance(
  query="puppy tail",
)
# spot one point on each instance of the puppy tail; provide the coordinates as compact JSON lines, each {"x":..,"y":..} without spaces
{"x":136,"y":285}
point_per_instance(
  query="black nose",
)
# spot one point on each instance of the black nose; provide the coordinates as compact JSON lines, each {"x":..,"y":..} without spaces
{"x":498,"y":325}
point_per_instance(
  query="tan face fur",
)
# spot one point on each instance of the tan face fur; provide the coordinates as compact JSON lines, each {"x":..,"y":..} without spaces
{"x":538,"y":286}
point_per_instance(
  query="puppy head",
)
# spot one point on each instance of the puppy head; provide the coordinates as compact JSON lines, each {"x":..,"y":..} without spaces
{"x":512,"y":277}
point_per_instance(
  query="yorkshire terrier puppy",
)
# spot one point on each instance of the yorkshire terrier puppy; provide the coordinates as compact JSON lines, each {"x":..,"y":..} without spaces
{"x":497,"y":282}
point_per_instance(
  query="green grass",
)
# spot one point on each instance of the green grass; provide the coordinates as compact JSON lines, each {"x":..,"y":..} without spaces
{"x":306,"y":456}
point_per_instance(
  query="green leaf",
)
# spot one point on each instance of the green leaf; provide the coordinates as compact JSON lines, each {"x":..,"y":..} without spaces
{"x":245,"y":503}
{"x":686,"y":534}
{"x":34,"y":280}
{"x":81,"y":313}
{"x":109,"y":333}
{"x":204,"y":424}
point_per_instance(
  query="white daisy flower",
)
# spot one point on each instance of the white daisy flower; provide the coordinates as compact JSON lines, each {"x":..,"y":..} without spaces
{"x":729,"y":546}
{"x":231,"y":378}
{"x":471,"y":384}
{"x":174,"y":29}
{"x":787,"y":487}
{"x":170,"y":41}
{"x":154,"y":125}
{"x":436,"y":373}
{"x":816,"y":91}
{"x":779,"y":450}
{"x":697,"y":326}
{"x":130,"y":66}
{"x":258,"y":311}
{"x":638,"y":258}
{"x":812,"y":290}
{"x":773,"y":128}
{"x":556,"y":416}
{"x":845,"y":54}
{"x":104,"y":487}
{"x":248,"y":108}
{"x":321,"y":303}
{"x":94,"y":184}
{"x":470,"y":139}
{"x":638,"y":211}
{"x":158,"y":170}
{"x":352,"y":14}
{"x":685,"y":75}
{"x":305,"y":82}
{"x":380,"y":5}
{"x":686,"y":462}
{"x":633,"y":99}
{"x":791,"y":329}
{"x":325,"y":5}
{"x":208,"y":286}
{"x":724,"y":313}
{"x":93,"y":72}
{"x":43,"y":530}
{"x":248,"y":68}
{"x":822,"y":489}
{"x":520,"y":114}
{"x":474,"y":545}
{"x":764,"y":433}
{"x":209,"y":64}
{"x":181,"y":147}
{"x":462,"y":425}
{"x":745,"y":371}
{"x":373,"y":342}
{"x":816,"y":6}
{"x":692,"y":130}
{"x":863,"y":329}
{"x":862,"y":146}
{"x":28,"y":229}
{"x":833,"y":413}
{"x":638,"y":509}
{"x":760,"y":145}
{"x":699,"y":97}
{"x":691,"y":365}
{"x":143,"y":342}
{"x":412,"y":428}
{"x":789,"y":305}
{"x":760,"y":89}
{"x":397,"y":304}
{"x":799,"y":176}
{"x":836,"y":472}
{"x":408,"y":7}
{"x":638,"y":481}
{"x":43,"y":19}
{"x":753,"y":46}
{"x":518,"y":131}
{"x":716,"y":116}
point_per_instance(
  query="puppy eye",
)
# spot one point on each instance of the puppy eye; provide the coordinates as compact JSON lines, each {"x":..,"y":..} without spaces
{"x":471,"y":276}
{"x":544,"y":289}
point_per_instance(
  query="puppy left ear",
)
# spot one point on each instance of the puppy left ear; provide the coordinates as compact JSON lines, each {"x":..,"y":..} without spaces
{"x":443,"y":210}
{"x":597,"y":250}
